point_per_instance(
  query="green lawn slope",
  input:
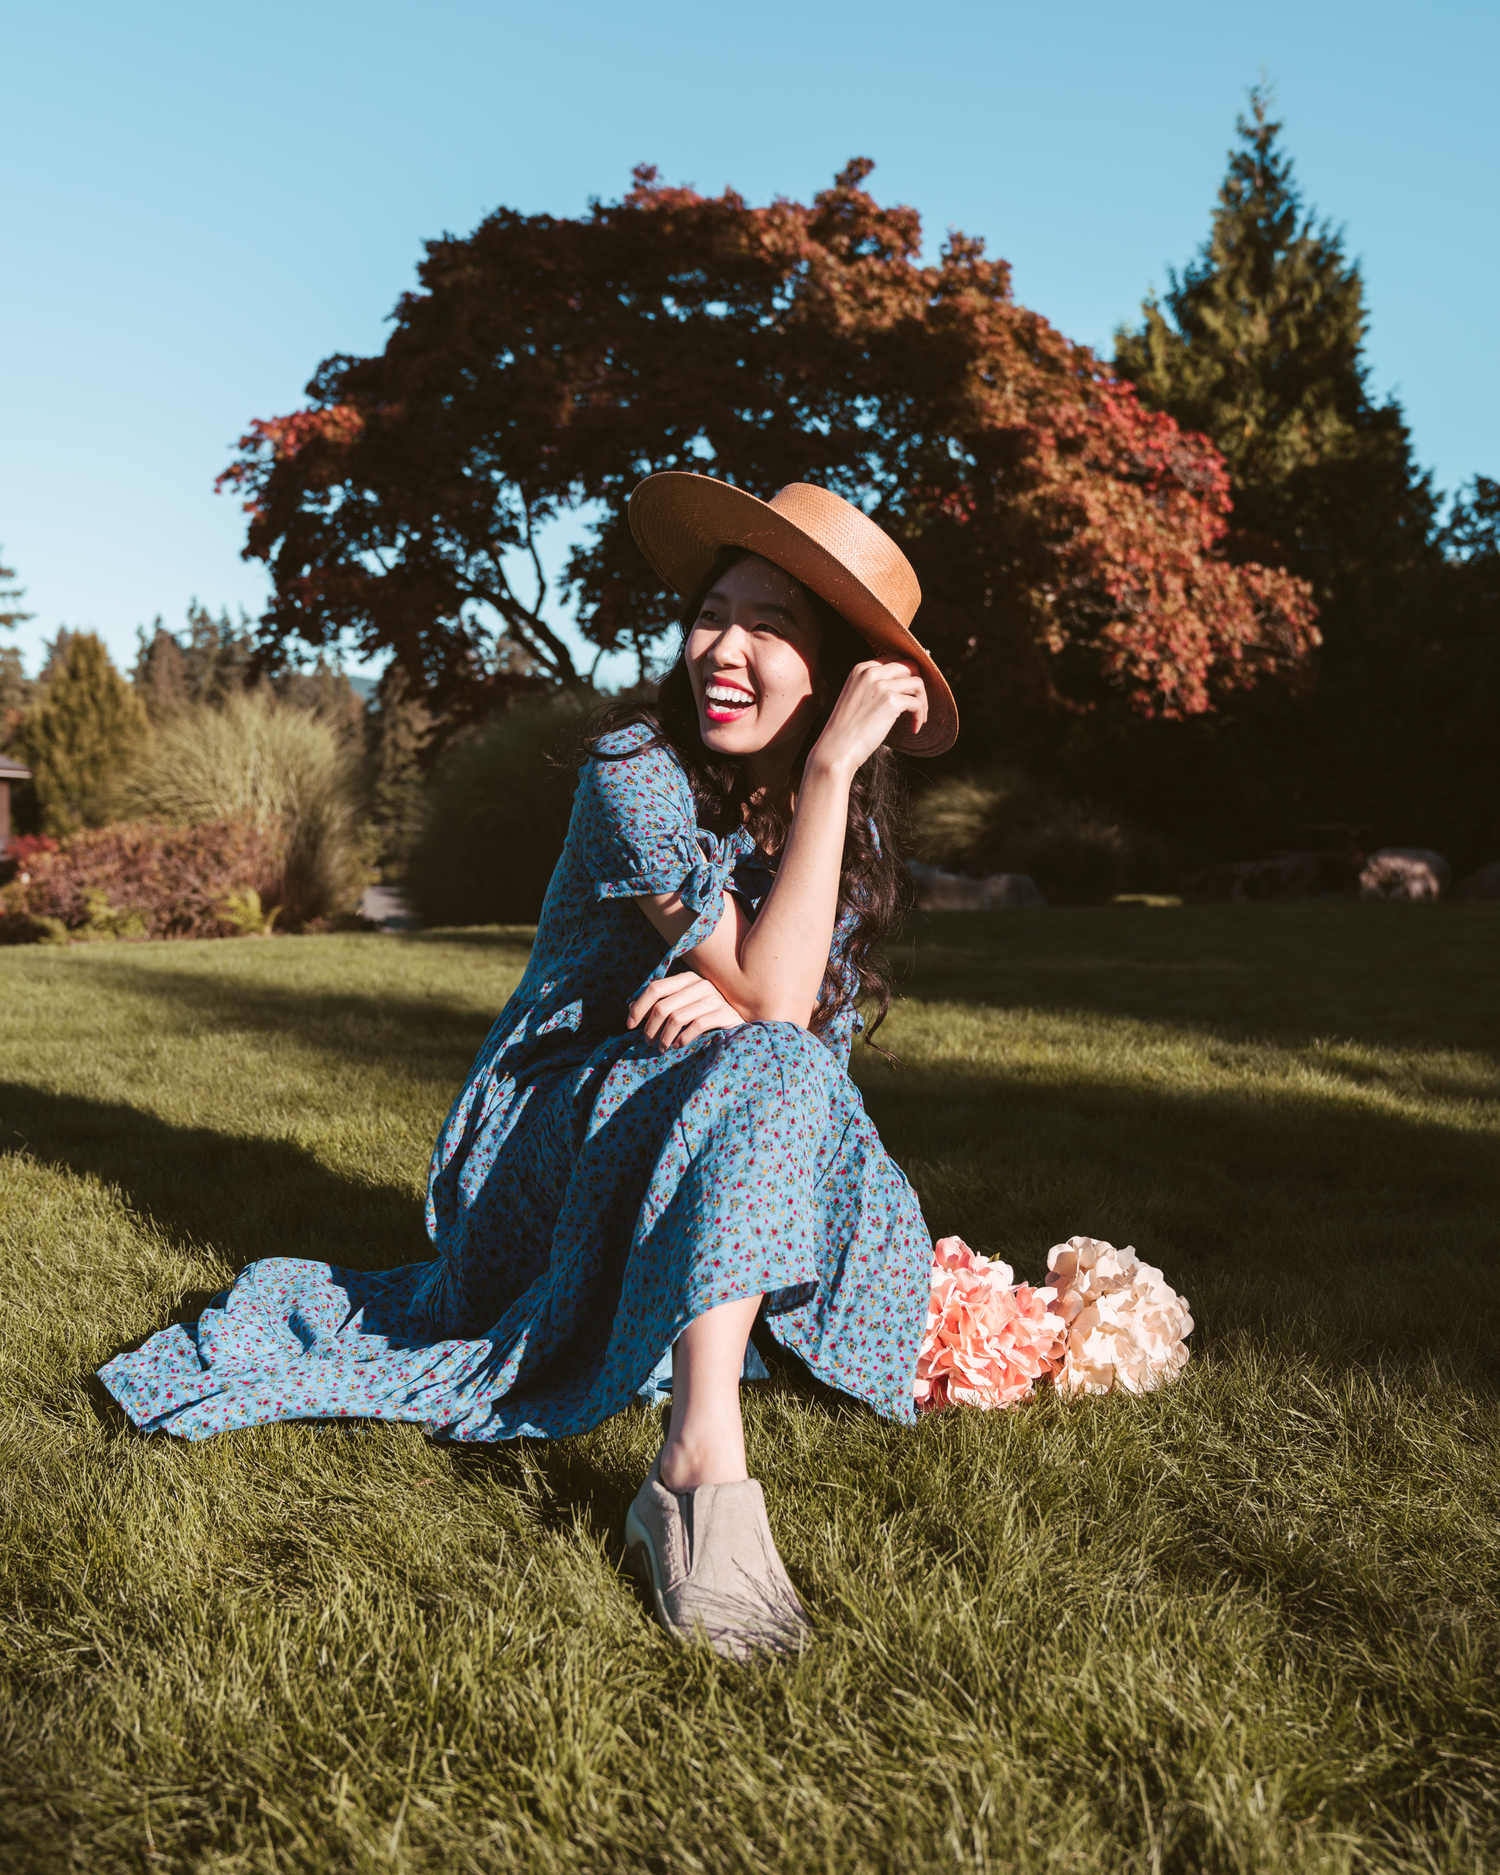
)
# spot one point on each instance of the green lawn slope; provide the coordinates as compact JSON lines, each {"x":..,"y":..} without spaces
{"x":1246,"y":1623}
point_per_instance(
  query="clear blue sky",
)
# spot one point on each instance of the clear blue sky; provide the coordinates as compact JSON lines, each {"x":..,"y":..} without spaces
{"x":199,"y":202}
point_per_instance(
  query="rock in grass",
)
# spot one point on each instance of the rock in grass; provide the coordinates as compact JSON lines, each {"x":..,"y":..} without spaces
{"x":951,"y":891}
{"x":1405,"y":872}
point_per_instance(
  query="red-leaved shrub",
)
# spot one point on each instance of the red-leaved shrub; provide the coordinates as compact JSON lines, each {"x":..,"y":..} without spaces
{"x":142,"y":881}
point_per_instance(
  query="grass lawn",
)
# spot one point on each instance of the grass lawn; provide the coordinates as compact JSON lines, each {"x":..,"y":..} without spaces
{"x":1246,"y":1623}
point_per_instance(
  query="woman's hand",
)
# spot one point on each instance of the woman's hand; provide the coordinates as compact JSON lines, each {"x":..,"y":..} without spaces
{"x":676,"y":1010}
{"x":876,"y":695}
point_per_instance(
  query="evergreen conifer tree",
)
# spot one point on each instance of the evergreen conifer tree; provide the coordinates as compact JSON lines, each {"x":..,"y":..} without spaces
{"x":54,"y":654}
{"x":82,"y":737}
{"x":11,"y":614}
{"x":399,"y":730}
{"x":160,"y":674}
{"x":326,"y":691}
{"x":16,"y":694}
{"x":16,"y":688}
{"x":217,"y":656}
{"x":1260,"y":345}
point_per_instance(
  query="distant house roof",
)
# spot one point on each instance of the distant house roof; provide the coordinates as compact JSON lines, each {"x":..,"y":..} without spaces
{"x":13,"y":771}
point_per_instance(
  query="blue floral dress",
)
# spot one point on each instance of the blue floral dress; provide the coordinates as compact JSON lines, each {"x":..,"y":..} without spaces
{"x":589,"y":1193}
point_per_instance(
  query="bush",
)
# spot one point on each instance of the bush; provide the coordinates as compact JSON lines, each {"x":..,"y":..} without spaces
{"x":25,"y":847}
{"x":496,"y":815}
{"x":286,"y":771}
{"x":1001,"y":821}
{"x":140,"y":881}
{"x":81,"y":739}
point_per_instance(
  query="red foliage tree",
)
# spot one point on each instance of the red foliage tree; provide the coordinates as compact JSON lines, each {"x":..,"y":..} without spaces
{"x":1068,"y":542}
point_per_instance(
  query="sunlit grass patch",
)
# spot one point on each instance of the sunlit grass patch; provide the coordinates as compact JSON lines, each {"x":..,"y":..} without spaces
{"x":1249,"y":1622}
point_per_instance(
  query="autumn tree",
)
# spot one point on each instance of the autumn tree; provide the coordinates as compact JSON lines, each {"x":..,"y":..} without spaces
{"x":1069,"y":542}
{"x":82,"y":737}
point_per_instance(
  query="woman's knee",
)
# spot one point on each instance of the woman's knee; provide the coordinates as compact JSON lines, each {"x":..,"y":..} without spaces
{"x":794,"y":1051}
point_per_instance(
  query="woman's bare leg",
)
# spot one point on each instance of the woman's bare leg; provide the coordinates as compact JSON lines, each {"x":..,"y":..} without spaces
{"x":706,"y":1437}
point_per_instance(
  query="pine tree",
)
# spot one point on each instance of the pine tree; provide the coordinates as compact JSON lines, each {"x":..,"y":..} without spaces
{"x":82,"y":737}
{"x":54,"y":655}
{"x":1260,"y":346}
{"x":217,"y":655}
{"x":326,"y":691}
{"x":160,"y":672}
{"x":11,"y":614}
{"x":399,"y":729}
{"x":17,"y":691}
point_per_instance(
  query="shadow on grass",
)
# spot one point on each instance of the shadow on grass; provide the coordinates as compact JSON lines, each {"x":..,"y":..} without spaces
{"x":1286,"y":1214}
{"x":1377,"y":1230}
{"x":434,"y":1038}
{"x":241,"y":1196}
{"x":1377,"y":975}
{"x":517,"y":937}
{"x":1386,"y":975}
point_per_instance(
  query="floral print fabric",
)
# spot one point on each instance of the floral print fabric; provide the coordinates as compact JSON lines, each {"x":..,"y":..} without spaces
{"x":590,"y":1194}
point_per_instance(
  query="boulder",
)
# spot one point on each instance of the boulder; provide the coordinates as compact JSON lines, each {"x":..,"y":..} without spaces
{"x":951,"y":891}
{"x":385,"y":908}
{"x":1412,"y":873}
{"x":1482,"y":884}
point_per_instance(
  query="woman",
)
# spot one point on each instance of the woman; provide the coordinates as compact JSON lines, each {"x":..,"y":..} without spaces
{"x":659,"y":1139}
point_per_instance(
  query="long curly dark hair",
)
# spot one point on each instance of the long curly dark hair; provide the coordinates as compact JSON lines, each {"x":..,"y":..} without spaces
{"x":872,"y":877}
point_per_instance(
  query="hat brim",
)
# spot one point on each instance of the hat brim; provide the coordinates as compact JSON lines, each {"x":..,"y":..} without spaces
{"x":683,"y":522}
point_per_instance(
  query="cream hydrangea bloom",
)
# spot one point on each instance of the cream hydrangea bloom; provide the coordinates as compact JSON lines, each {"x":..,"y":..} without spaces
{"x":1126,"y":1325}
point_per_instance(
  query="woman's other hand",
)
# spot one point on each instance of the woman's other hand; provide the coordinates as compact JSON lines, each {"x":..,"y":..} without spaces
{"x":876,"y":695}
{"x":676,"y":1010}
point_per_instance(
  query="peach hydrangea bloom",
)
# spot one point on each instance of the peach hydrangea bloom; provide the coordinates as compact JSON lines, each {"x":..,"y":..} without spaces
{"x":1125,"y":1325}
{"x":988,"y":1339}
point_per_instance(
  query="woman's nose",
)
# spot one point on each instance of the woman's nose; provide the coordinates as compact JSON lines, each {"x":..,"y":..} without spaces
{"x":733,"y":642}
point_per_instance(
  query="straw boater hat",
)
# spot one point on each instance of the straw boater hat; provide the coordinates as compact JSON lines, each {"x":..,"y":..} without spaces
{"x":682,"y":523}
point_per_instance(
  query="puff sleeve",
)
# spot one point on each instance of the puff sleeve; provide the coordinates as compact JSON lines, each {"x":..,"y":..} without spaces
{"x":639,"y":835}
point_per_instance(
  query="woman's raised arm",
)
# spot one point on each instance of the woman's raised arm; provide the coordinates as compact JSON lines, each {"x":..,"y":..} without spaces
{"x":770,"y":967}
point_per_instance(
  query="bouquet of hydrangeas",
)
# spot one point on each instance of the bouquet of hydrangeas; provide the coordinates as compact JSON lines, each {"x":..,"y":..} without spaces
{"x":1103,"y":1320}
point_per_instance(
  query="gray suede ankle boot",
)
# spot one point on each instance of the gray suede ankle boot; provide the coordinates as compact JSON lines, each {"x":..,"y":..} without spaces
{"x":711,"y":1568}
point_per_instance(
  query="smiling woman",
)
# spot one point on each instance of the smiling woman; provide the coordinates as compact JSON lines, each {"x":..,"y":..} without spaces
{"x":660,"y":1140}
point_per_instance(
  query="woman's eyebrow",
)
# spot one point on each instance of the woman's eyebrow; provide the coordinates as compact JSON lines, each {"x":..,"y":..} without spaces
{"x":755,"y":605}
{"x":719,"y":597}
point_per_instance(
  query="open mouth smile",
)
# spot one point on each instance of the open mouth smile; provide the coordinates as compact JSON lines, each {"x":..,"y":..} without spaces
{"x":725,"y":703}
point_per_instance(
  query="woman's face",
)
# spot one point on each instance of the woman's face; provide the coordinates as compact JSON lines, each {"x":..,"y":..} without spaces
{"x":752,"y":657}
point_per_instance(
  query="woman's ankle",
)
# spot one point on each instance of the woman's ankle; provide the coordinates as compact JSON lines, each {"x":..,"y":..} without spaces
{"x":685,"y":1464}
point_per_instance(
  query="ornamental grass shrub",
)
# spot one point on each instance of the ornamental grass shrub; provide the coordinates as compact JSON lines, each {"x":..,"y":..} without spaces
{"x":496,"y":814}
{"x":286,"y":771}
{"x":999,"y":820}
{"x":142,"y":881}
